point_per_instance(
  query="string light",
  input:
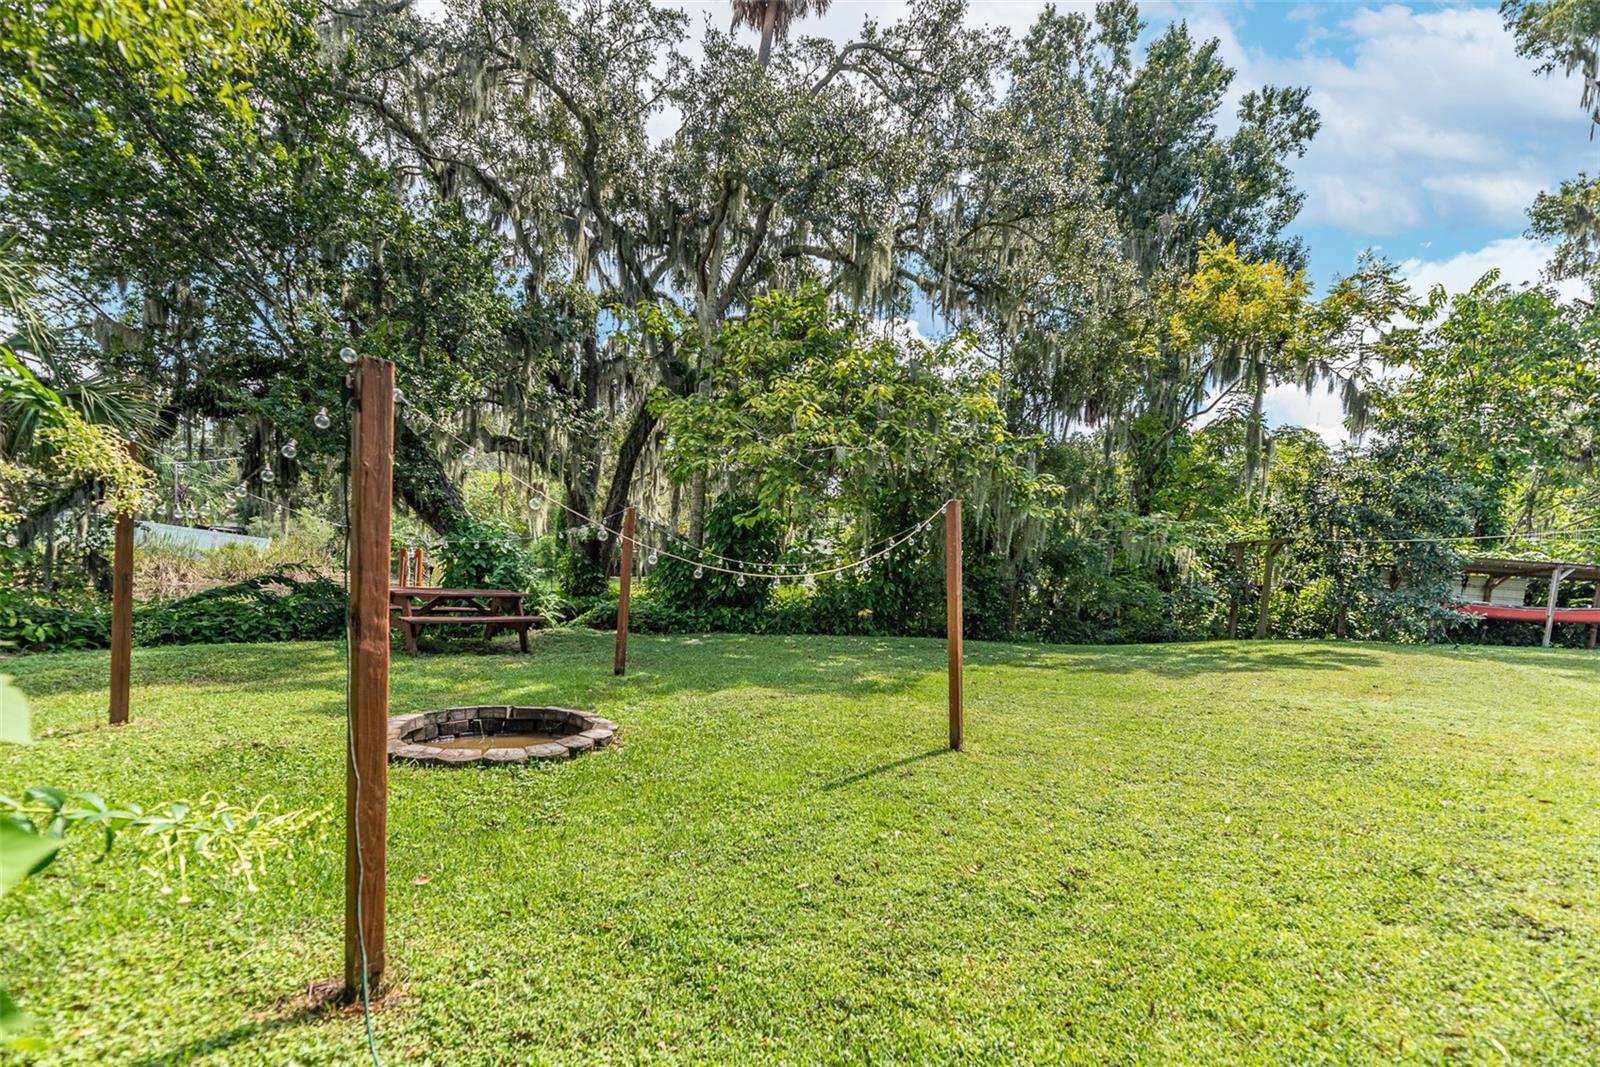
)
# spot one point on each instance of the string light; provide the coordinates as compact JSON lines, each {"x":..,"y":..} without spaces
{"x":268,"y":476}
{"x":321,"y":420}
{"x":348,"y":354}
{"x":290,"y":449}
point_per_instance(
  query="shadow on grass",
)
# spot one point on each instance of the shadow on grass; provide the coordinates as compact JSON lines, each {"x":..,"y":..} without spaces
{"x":190,"y":1051}
{"x":1178,"y":660}
{"x":883,"y":768}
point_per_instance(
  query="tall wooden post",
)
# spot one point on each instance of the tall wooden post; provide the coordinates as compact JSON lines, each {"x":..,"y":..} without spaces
{"x":620,"y":666}
{"x":366,"y":765}
{"x":954,"y":619}
{"x":121,"y":617}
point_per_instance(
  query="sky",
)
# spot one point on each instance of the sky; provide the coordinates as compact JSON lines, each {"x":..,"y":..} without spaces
{"x":1435,"y":138}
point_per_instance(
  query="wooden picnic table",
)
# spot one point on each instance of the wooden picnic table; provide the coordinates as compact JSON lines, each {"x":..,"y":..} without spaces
{"x":413,"y":607}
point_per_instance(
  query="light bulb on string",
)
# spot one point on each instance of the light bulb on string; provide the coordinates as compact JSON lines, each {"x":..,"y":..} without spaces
{"x":654,"y":556}
{"x":469,"y":455}
{"x":399,"y":395}
{"x":740,"y":582}
{"x":290,"y":449}
{"x":268,"y":476}
{"x":602,"y":533}
{"x":699,"y":572}
{"x":322,"y":420}
{"x":348,"y":354}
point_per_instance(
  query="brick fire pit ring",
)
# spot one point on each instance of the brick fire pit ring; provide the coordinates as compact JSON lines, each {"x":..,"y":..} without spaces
{"x":496,"y":733}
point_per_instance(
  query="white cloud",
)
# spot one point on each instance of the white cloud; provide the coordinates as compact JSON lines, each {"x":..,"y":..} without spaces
{"x":1426,"y":121}
{"x":1519,"y":260}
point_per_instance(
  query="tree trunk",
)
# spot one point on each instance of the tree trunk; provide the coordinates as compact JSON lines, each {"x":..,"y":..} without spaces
{"x":422,"y":484}
{"x":632,"y":447}
{"x":769,"y":28}
{"x":1268,"y":576}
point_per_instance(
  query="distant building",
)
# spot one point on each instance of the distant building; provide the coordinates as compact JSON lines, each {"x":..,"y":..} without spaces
{"x":199,"y":538}
{"x":1496,"y":588}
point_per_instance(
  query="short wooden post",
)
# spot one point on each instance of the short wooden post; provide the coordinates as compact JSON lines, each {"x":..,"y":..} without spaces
{"x":954,"y":619}
{"x":367,"y":764}
{"x":624,"y":592}
{"x":121,"y":617}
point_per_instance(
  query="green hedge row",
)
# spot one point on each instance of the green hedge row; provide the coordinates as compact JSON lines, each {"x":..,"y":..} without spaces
{"x":269,"y":607}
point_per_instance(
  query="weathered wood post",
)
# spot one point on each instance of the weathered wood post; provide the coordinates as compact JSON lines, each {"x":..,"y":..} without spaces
{"x":367,"y":764}
{"x":954,"y":619}
{"x":620,"y":666}
{"x":1556,"y":575}
{"x":121,"y":616}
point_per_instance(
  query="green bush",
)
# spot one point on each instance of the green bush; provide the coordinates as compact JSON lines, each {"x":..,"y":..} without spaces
{"x":269,"y":607}
{"x":248,"y":611}
{"x":32,"y":620}
{"x":488,"y":554}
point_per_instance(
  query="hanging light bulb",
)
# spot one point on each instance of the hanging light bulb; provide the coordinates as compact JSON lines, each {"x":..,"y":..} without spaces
{"x":654,"y":556}
{"x":699,"y":572}
{"x":347,"y":354}
{"x":399,"y":395}
{"x":268,"y":476}
{"x":290,"y":449}
{"x":321,"y":419}
{"x":241,"y":489}
{"x":469,"y":455}
{"x":603,"y":533}
{"x":740,"y":582}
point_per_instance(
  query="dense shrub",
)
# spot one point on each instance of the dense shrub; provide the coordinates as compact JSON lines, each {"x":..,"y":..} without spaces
{"x":34,"y":620}
{"x":271,"y":607}
{"x":488,"y":554}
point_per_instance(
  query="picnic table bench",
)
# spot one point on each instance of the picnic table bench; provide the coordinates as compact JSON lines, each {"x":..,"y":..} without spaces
{"x":412,"y":608}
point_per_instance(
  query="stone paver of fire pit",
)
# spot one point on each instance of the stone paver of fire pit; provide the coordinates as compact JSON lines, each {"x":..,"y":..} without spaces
{"x":496,"y":733}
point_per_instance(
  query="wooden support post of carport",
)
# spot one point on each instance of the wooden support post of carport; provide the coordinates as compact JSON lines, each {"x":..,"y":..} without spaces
{"x":1557,"y":573}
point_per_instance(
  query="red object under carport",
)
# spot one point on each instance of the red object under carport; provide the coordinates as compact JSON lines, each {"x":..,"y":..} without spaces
{"x":1531,"y":614}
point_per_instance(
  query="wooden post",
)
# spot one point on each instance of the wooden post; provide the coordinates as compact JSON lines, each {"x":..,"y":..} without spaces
{"x":954,"y":619}
{"x":367,"y":764}
{"x":620,"y":666}
{"x":121,"y":617}
{"x":1594,"y":633}
{"x":1556,"y":575}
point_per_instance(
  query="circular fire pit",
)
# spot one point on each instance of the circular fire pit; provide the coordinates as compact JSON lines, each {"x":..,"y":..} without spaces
{"x":496,"y":733}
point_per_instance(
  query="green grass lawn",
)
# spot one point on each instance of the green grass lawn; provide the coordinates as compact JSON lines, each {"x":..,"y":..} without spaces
{"x":1254,"y":853}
